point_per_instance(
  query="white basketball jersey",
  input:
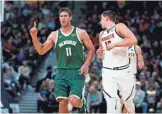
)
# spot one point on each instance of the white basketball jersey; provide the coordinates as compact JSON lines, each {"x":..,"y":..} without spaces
{"x":133,"y":58}
{"x":117,"y":56}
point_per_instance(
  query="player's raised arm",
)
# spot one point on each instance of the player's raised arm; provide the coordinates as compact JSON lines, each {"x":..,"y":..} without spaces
{"x":45,"y":47}
{"x":87,"y":42}
{"x":139,"y":57}
{"x":124,"y":32}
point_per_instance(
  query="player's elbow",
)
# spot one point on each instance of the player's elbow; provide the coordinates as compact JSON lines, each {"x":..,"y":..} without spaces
{"x":92,"y":49}
{"x":134,"y":41}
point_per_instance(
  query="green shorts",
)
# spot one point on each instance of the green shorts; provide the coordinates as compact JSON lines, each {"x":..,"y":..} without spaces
{"x":68,"y":81}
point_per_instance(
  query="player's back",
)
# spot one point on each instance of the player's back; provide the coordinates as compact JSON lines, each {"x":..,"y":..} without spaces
{"x":69,"y":50}
{"x":117,"y":56}
{"x":133,"y":58}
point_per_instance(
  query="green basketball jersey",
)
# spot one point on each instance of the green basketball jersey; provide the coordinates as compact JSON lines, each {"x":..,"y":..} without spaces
{"x":69,"y":50}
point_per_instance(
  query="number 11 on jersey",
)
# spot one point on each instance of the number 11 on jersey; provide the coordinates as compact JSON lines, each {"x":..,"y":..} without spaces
{"x":68,"y":51}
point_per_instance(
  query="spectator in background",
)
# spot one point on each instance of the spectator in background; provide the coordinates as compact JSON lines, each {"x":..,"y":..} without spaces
{"x":32,"y":58}
{"x":46,"y":75}
{"x":42,"y":102}
{"x":52,"y":103}
{"x":97,"y":85}
{"x":154,"y":83}
{"x":20,"y":57}
{"x":82,"y":24}
{"x":8,"y":81}
{"x":159,"y":106}
{"x":139,"y":98}
{"x":94,"y":100}
{"x":49,"y":72}
{"x":144,"y":83}
{"x":8,"y":46}
{"x":151,"y":97}
{"x":7,"y":49}
{"x":11,"y":78}
{"x":24,"y":72}
{"x":41,"y":24}
{"x":51,"y":23}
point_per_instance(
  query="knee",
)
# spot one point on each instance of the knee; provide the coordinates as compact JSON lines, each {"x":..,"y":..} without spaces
{"x":75,"y":102}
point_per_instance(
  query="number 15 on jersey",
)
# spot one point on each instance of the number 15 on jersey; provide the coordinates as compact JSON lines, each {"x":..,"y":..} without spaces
{"x":107,"y":43}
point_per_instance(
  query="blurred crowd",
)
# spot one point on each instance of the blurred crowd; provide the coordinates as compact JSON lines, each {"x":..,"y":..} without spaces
{"x":20,"y":60}
{"x":46,"y":98}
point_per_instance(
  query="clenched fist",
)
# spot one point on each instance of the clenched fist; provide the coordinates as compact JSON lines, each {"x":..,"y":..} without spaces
{"x":33,"y":30}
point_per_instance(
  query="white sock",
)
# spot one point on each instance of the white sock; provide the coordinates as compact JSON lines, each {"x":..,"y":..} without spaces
{"x":81,"y":105}
{"x":70,"y":107}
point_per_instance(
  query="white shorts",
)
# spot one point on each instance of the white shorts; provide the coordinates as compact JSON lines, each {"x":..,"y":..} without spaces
{"x":122,"y":80}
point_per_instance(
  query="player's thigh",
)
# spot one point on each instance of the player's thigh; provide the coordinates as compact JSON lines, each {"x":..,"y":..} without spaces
{"x":109,"y":83}
{"x":127,"y":87}
{"x":76,"y":84}
{"x":61,"y":87}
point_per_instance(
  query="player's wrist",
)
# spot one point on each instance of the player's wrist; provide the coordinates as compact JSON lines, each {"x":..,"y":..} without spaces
{"x":34,"y":37}
{"x":87,"y":63}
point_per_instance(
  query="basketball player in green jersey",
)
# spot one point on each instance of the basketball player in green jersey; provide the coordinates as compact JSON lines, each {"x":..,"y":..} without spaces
{"x":68,"y":42}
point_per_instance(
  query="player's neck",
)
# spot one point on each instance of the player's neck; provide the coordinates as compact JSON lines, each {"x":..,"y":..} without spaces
{"x":66,"y":28}
{"x":110,"y":25}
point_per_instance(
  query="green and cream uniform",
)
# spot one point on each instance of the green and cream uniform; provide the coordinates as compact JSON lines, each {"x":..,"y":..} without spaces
{"x":70,"y":58}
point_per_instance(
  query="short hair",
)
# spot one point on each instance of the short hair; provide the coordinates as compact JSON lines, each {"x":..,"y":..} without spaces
{"x":65,"y":9}
{"x":110,"y":14}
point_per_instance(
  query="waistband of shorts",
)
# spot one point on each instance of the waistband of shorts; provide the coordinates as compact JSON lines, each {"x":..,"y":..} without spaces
{"x":119,"y":68}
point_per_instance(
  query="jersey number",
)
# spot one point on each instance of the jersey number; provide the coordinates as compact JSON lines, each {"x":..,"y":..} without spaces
{"x":106,"y":43}
{"x":68,"y":51}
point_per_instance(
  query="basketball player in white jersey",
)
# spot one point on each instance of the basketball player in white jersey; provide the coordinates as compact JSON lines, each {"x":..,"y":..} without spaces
{"x":136,"y":60}
{"x":116,"y":71}
{"x":135,"y":54}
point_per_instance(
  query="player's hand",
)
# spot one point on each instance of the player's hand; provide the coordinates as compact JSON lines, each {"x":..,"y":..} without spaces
{"x":99,"y":52}
{"x":33,"y":30}
{"x":87,"y":78}
{"x":140,"y":64}
{"x":110,"y":46}
{"x":84,"y":69}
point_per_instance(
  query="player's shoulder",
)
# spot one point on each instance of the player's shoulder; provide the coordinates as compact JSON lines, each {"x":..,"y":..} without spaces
{"x":80,"y":31}
{"x":130,"y":48}
{"x":120,"y":26}
{"x":138,"y":48}
{"x":53,"y":36}
{"x":53,"y":33}
{"x":101,"y":33}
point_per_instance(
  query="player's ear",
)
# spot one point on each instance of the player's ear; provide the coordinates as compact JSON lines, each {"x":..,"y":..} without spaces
{"x":107,"y":18}
{"x":70,"y":18}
